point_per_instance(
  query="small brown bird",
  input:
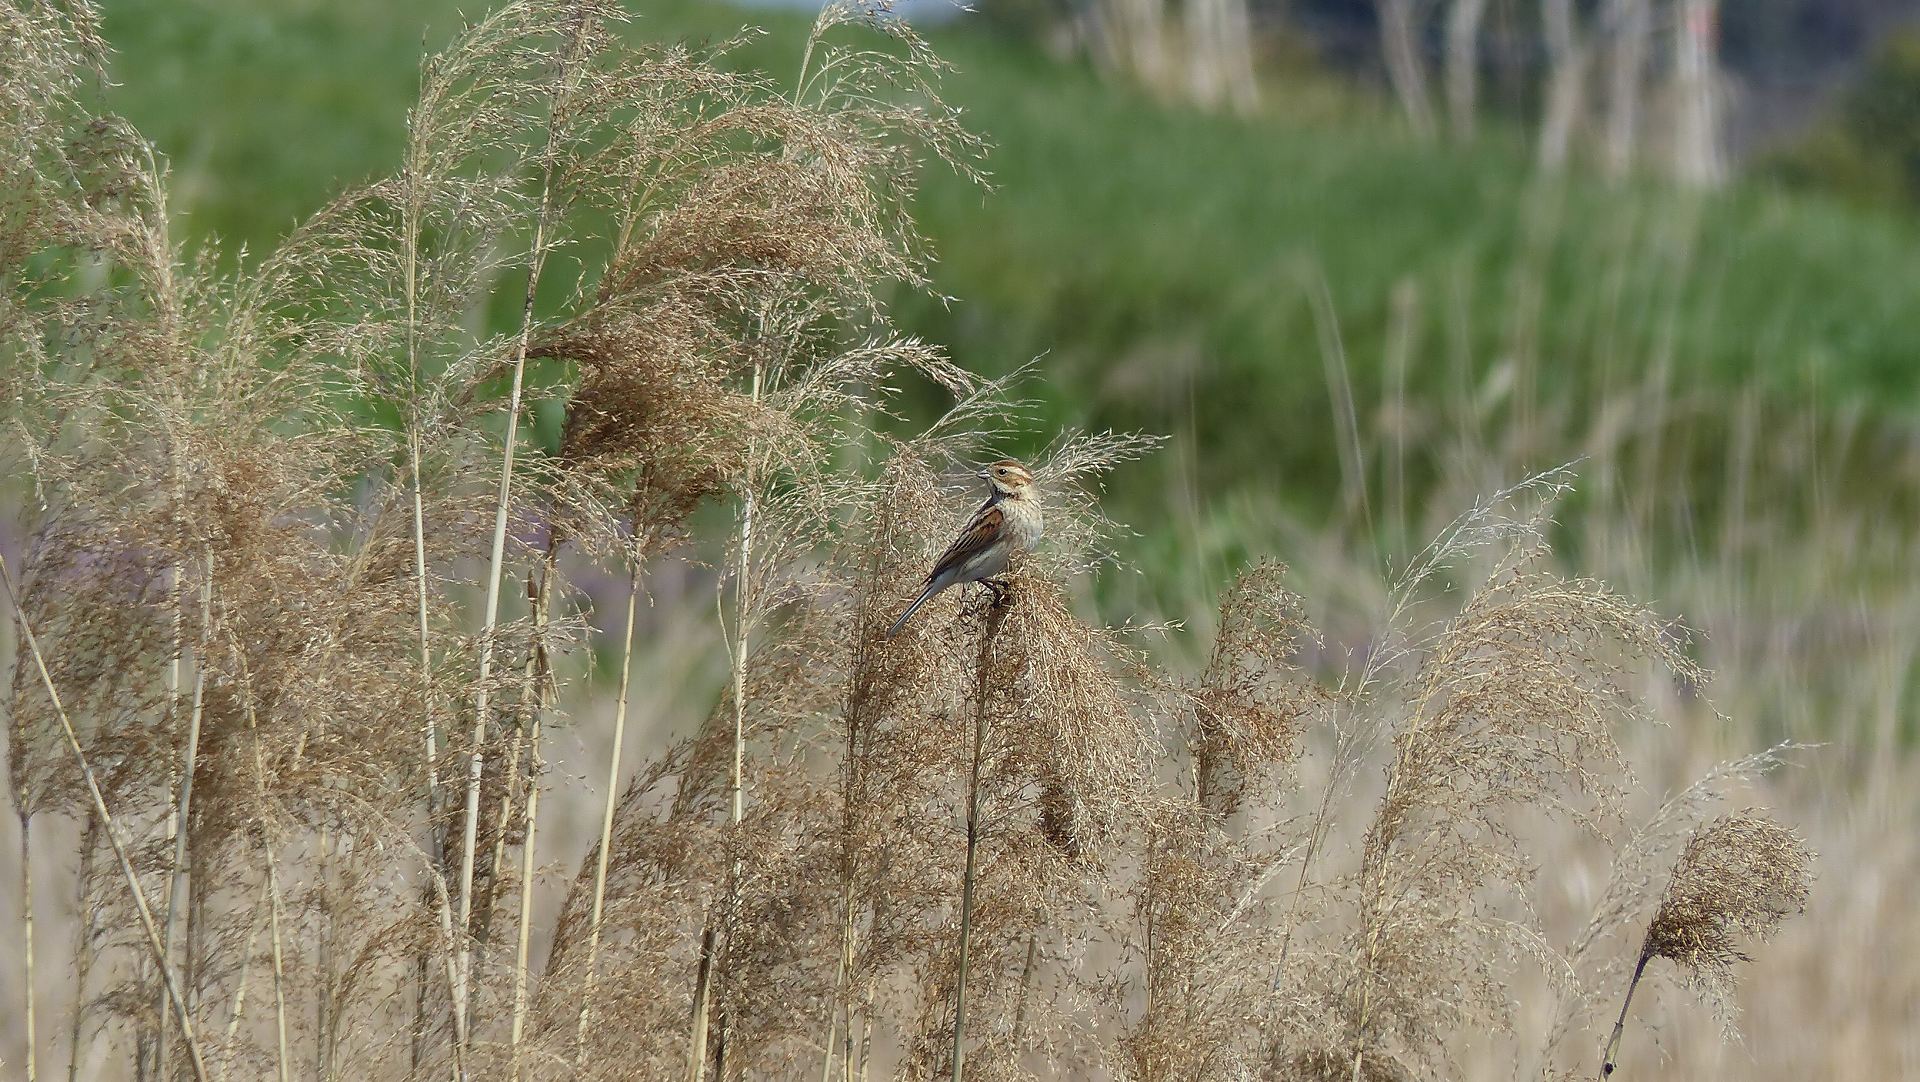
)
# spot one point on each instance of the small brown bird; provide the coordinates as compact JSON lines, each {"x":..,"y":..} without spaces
{"x":1007,"y":523}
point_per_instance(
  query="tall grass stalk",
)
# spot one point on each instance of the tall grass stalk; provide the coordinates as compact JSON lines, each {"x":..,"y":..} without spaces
{"x":413,"y":181}
{"x":26,"y":937}
{"x":604,"y":850}
{"x":110,"y":826}
{"x":514,"y":786}
{"x":83,"y":948}
{"x":256,"y":924}
{"x":1612,"y":1049}
{"x":496,"y":560}
{"x":436,"y":838}
{"x":1333,"y":356}
{"x":996,"y":615}
{"x":528,"y":867}
{"x":541,"y":679}
{"x":180,"y":882}
{"x":840,"y":1008}
{"x":325,"y":1001}
{"x":739,"y":644}
{"x":283,"y":1059}
{"x":175,"y":824}
{"x":702,"y":1004}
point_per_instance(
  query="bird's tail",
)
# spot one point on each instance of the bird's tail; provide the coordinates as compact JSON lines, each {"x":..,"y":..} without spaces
{"x":925,"y":596}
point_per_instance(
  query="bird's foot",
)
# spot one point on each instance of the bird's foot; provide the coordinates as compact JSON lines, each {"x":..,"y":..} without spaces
{"x":1002,"y":591}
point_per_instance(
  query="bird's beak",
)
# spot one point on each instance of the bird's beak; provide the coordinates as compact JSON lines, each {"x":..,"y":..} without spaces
{"x":984,"y":475}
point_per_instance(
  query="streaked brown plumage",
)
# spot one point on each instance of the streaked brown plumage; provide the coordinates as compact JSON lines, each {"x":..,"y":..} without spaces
{"x":1007,"y":523}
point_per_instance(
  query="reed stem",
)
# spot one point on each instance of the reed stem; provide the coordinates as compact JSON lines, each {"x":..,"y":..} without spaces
{"x":496,"y":561}
{"x":142,"y":908}
{"x":1607,"y":1063}
{"x":995,"y":615}
{"x":542,"y":677}
{"x":606,"y":815}
{"x":181,"y":880}
{"x":26,"y":931}
{"x":283,"y":1059}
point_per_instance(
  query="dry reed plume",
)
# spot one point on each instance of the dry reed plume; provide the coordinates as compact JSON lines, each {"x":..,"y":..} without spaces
{"x":1738,"y":878}
{"x":299,"y":614}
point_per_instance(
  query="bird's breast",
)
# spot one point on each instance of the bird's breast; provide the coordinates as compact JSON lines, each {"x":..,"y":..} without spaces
{"x":1024,"y":525}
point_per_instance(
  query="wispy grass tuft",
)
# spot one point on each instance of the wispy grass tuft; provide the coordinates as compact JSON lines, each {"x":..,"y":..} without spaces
{"x":1738,"y":878}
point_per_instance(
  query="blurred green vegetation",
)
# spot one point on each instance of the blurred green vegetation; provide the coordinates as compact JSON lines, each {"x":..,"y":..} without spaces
{"x":1868,"y":149}
{"x":1165,"y":264}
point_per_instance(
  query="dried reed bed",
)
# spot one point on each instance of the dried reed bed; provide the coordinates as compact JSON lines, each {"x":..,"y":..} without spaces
{"x":301,"y":615}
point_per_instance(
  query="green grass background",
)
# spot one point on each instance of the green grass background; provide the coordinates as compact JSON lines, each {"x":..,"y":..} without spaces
{"x":1161,"y":261}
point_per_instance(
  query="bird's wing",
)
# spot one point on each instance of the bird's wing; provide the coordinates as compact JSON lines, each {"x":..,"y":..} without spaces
{"x":979,"y":536}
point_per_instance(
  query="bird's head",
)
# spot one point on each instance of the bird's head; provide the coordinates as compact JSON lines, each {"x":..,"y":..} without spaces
{"x":1009,"y":478}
